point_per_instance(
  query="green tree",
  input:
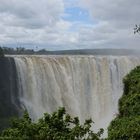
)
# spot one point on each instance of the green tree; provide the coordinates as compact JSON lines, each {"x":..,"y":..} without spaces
{"x":1,"y":52}
{"x":137,"y":29}
{"x":127,"y":125}
{"x":55,"y":126}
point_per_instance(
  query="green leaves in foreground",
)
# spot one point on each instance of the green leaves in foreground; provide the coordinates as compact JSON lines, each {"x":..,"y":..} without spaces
{"x":130,"y":105}
{"x":127,"y":125}
{"x":126,"y":128}
{"x":55,"y":126}
{"x":137,"y":29}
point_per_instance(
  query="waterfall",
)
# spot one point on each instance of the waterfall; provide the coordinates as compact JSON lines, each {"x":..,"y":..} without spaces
{"x":87,"y":86}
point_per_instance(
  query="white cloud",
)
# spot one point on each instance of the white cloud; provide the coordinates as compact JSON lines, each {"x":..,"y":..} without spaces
{"x":119,"y":12}
{"x":35,"y":22}
{"x":31,"y":13}
{"x":115,"y":22}
{"x":41,"y":22}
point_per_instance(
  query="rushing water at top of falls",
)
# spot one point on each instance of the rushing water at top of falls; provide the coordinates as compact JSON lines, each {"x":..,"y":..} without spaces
{"x":88,"y":86}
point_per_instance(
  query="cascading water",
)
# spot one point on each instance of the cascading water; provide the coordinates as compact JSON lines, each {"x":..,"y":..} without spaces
{"x":88,"y":86}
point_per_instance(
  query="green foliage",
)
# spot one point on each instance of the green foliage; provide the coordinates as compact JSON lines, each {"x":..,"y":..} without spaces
{"x":127,"y":125}
{"x":125,"y":128}
{"x":132,"y":82}
{"x":137,"y":29}
{"x":130,"y":105}
{"x":1,"y":52}
{"x":55,"y":126}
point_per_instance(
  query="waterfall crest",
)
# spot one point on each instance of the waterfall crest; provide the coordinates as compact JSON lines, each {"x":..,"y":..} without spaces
{"x":88,"y":86}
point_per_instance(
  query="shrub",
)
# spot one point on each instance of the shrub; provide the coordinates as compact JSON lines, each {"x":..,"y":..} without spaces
{"x":55,"y":126}
{"x":127,"y":125}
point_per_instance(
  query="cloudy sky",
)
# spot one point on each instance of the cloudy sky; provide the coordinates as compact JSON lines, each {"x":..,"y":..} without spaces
{"x":69,"y":24}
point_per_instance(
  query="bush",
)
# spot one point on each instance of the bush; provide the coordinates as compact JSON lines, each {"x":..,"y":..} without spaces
{"x":132,"y":82}
{"x":127,"y":125}
{"x":125,"y":128}
{"x":58,"y":126}
{"x":130,"y":105}
{"x":1,"y":52}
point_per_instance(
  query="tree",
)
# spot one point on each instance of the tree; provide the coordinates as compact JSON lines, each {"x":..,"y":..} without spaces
{"x":1,"y":52}
{"x":137,"y":29}
{"x":55,"y":126}
{"x":126,"y":126}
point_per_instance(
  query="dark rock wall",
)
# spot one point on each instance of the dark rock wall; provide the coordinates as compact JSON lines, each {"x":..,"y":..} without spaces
{"x":9,"y":103}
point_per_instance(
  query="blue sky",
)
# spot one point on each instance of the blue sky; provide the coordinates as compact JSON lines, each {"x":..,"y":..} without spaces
{"x":69,"y":24}
{"x":77,"y":14}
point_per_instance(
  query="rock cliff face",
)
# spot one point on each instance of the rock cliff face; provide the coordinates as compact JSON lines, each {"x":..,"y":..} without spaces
{"x":9,"y":103}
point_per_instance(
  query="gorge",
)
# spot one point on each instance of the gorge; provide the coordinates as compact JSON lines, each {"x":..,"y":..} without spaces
{"x":86,"y":85}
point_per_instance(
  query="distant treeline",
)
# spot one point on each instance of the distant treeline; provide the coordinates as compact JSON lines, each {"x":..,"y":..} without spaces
{"x":21,"y":50}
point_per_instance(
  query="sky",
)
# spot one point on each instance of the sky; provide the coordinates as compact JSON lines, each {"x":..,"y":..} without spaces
{"x":69,"y":24}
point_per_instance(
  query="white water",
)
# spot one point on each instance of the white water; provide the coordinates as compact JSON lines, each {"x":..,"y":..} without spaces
{"x":88,"y":86}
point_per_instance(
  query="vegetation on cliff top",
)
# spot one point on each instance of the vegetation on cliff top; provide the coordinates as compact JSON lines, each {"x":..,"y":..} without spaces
{"x":127,"y":125}
{"x":1,"y":52}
